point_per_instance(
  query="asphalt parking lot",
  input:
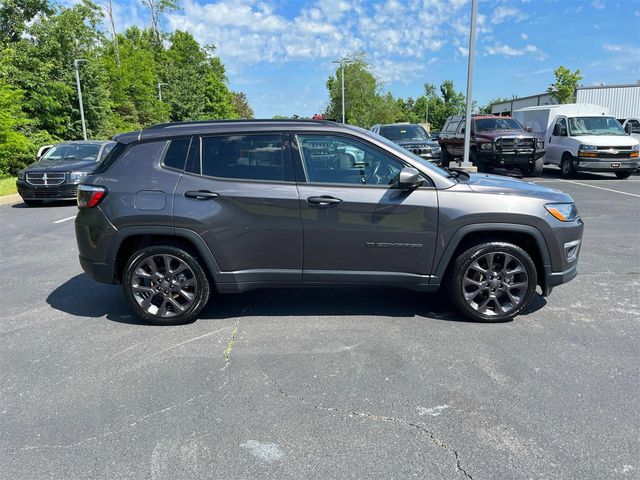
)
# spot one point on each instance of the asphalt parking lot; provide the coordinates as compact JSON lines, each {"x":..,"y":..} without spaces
{"x":321,"y":383}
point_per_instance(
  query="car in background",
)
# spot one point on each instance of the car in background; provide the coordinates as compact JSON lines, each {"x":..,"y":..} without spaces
{"x":496,"y":142}
{"x":42,"y":150}
{"x":631,"y":126}
{"x":56,"y":175}
{"x":434,"y":135}
{"x":411,"y":136}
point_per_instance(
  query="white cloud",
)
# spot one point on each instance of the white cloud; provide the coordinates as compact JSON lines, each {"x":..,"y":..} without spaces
{"x":506,"y":50}
{"x":524,"y":36}
{"x":597,"y":4}
{"x":502,"y":13}
{"x":248,"y":31}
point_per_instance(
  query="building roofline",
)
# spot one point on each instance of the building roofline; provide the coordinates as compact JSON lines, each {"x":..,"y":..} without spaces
{"x":622,"y":85}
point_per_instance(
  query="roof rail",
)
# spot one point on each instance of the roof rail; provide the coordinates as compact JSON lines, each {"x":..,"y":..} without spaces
{"x":161,"y":126}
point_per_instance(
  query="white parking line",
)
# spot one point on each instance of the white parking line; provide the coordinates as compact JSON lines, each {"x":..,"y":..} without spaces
{"x":64,"y":219}
{"x":602,"y":188}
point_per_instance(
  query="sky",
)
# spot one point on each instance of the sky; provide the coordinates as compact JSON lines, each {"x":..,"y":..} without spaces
{"x":280,"y":52}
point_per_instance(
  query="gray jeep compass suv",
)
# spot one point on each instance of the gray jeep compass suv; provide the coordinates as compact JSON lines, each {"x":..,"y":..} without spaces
{"x":178,"y":210}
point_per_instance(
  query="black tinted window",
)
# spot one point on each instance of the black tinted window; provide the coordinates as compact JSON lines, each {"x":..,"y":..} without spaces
{"x":452,"y":126}
{"x":176,"y":154}
{"x":248,"y":157}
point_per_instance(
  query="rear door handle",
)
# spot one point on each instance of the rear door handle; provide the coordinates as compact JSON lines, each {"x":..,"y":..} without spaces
{"x":324,"y":201}
{"x":201,"y":194}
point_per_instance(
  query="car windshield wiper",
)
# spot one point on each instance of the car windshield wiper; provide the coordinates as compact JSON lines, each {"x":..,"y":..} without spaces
{"x":457,"y":175}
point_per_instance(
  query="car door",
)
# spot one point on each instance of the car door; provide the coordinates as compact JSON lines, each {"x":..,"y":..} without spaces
{"x":556,"y":141}
{"x":240,"y":196}
{"x":356,"y":227}
{"x":458,"y":140}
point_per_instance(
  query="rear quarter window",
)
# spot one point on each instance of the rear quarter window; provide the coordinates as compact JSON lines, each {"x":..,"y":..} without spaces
{"x":176,"y":154}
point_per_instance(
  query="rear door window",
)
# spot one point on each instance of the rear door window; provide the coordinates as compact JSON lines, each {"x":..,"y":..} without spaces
{"x":246,"y":157}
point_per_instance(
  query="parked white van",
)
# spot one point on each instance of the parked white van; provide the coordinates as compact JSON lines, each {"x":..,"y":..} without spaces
{"x":582,"y":137}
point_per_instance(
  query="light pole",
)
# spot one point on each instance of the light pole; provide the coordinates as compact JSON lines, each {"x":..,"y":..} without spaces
{"x":342,"y":62}
{"x":472,"y":51}
{"x":160,"y":85}
{"x":75,"y":64}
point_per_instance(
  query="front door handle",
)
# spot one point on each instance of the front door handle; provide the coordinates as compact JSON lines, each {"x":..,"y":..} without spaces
{"x":201,"y":194}
{"x":324,"y":201}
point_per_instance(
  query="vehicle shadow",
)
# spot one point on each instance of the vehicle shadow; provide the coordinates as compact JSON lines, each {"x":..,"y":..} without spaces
{"x":81,"y":296}
{"x":47,"y":204}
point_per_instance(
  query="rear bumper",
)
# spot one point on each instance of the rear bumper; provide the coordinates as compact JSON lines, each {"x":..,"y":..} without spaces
{"x":64,"y":191}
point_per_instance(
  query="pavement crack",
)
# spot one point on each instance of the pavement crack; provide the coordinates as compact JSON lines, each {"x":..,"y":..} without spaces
{"x":231,"y":345}
{"x":378,"y":418}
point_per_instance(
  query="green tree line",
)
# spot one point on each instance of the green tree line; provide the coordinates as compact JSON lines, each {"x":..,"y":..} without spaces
{"x":38,"y":100}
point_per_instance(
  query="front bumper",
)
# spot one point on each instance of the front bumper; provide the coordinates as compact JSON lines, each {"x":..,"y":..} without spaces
{"x":553,"y":279}
{"x":64,"y":191}
{"x":506,"y":158}
{"x":606,"y":164}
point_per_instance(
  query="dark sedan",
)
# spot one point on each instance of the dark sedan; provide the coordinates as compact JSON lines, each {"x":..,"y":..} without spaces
{"x":57,"y":174}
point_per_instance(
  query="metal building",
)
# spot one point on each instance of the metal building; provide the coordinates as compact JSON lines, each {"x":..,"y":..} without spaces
{"x":623,"y":101}
{"x":508,"y":107}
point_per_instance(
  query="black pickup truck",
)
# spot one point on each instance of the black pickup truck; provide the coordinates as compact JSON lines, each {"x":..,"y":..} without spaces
{"x":496,"y":142}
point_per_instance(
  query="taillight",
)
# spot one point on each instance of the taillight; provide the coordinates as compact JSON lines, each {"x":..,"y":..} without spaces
{"x":90,"y":195}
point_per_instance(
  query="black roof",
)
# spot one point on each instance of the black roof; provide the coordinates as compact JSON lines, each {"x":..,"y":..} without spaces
{"x":177,"y":129}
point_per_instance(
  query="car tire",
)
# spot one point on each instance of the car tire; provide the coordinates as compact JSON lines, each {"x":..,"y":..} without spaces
{"x":534,"y":170}
{"x":492,"y":282}
{"x":33,"y":203}
{"x":623,"y":175}
{"x":165,"y":285}
{"x":566,"y":166}
{"x":445,"y":160}
{"x":479,"y":163}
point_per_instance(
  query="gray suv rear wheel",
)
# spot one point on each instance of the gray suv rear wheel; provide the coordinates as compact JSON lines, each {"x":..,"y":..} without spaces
{"x":165,"y":285}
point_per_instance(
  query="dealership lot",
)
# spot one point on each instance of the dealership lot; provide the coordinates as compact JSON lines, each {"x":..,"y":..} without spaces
{"x":321,"y":383}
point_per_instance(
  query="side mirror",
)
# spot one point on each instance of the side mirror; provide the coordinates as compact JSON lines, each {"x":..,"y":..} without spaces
{"x":528,"y":129}
{"x":407,"y":179}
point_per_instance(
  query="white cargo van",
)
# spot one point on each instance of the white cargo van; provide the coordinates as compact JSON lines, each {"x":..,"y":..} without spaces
{"x":582,"y":137}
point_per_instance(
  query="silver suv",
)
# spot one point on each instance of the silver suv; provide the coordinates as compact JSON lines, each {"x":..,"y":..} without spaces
{"x":178,"y":210}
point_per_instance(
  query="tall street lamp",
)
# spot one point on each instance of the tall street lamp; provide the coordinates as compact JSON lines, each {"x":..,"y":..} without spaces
{"x":76,"y":62}
{"x":160,"y":85}
{"x":342,"y":63}
{"x":472,"y":51}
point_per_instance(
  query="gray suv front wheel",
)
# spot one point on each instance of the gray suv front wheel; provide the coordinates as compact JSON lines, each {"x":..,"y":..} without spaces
{"x":493,"y":282}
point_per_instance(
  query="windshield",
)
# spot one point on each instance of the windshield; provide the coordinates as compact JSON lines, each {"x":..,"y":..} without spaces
{"x":394,"y":146}
{"x":595,"y":126}
{"x":404,"y":132}
{"x":73,"y":152}
{"x":487,"y":124}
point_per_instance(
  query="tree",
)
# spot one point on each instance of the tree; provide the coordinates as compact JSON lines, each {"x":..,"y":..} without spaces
{"x":16,"y":14}
{"x":564,"y":88}
{"x":241,"y":105}
{"x":365,"y":104}
{"x":156,"y":8}
{"x":107,"y":7}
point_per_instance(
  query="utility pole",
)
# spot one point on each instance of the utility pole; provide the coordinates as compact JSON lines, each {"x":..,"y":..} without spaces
{"x":75,"y":64}
{"x":342,"y":62}
{"x":472,"y":51}
{"x":160,"y":90}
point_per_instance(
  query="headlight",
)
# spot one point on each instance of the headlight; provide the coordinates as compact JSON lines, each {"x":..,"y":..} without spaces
{"x":565,"y":212}
{"x":21,"y":175}
{"x":486,"y":146}
{"x":77,"y":177}
{"x":588,"y":148}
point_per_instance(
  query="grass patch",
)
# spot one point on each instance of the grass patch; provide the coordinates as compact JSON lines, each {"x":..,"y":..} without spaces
{"x":8,"y":186}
